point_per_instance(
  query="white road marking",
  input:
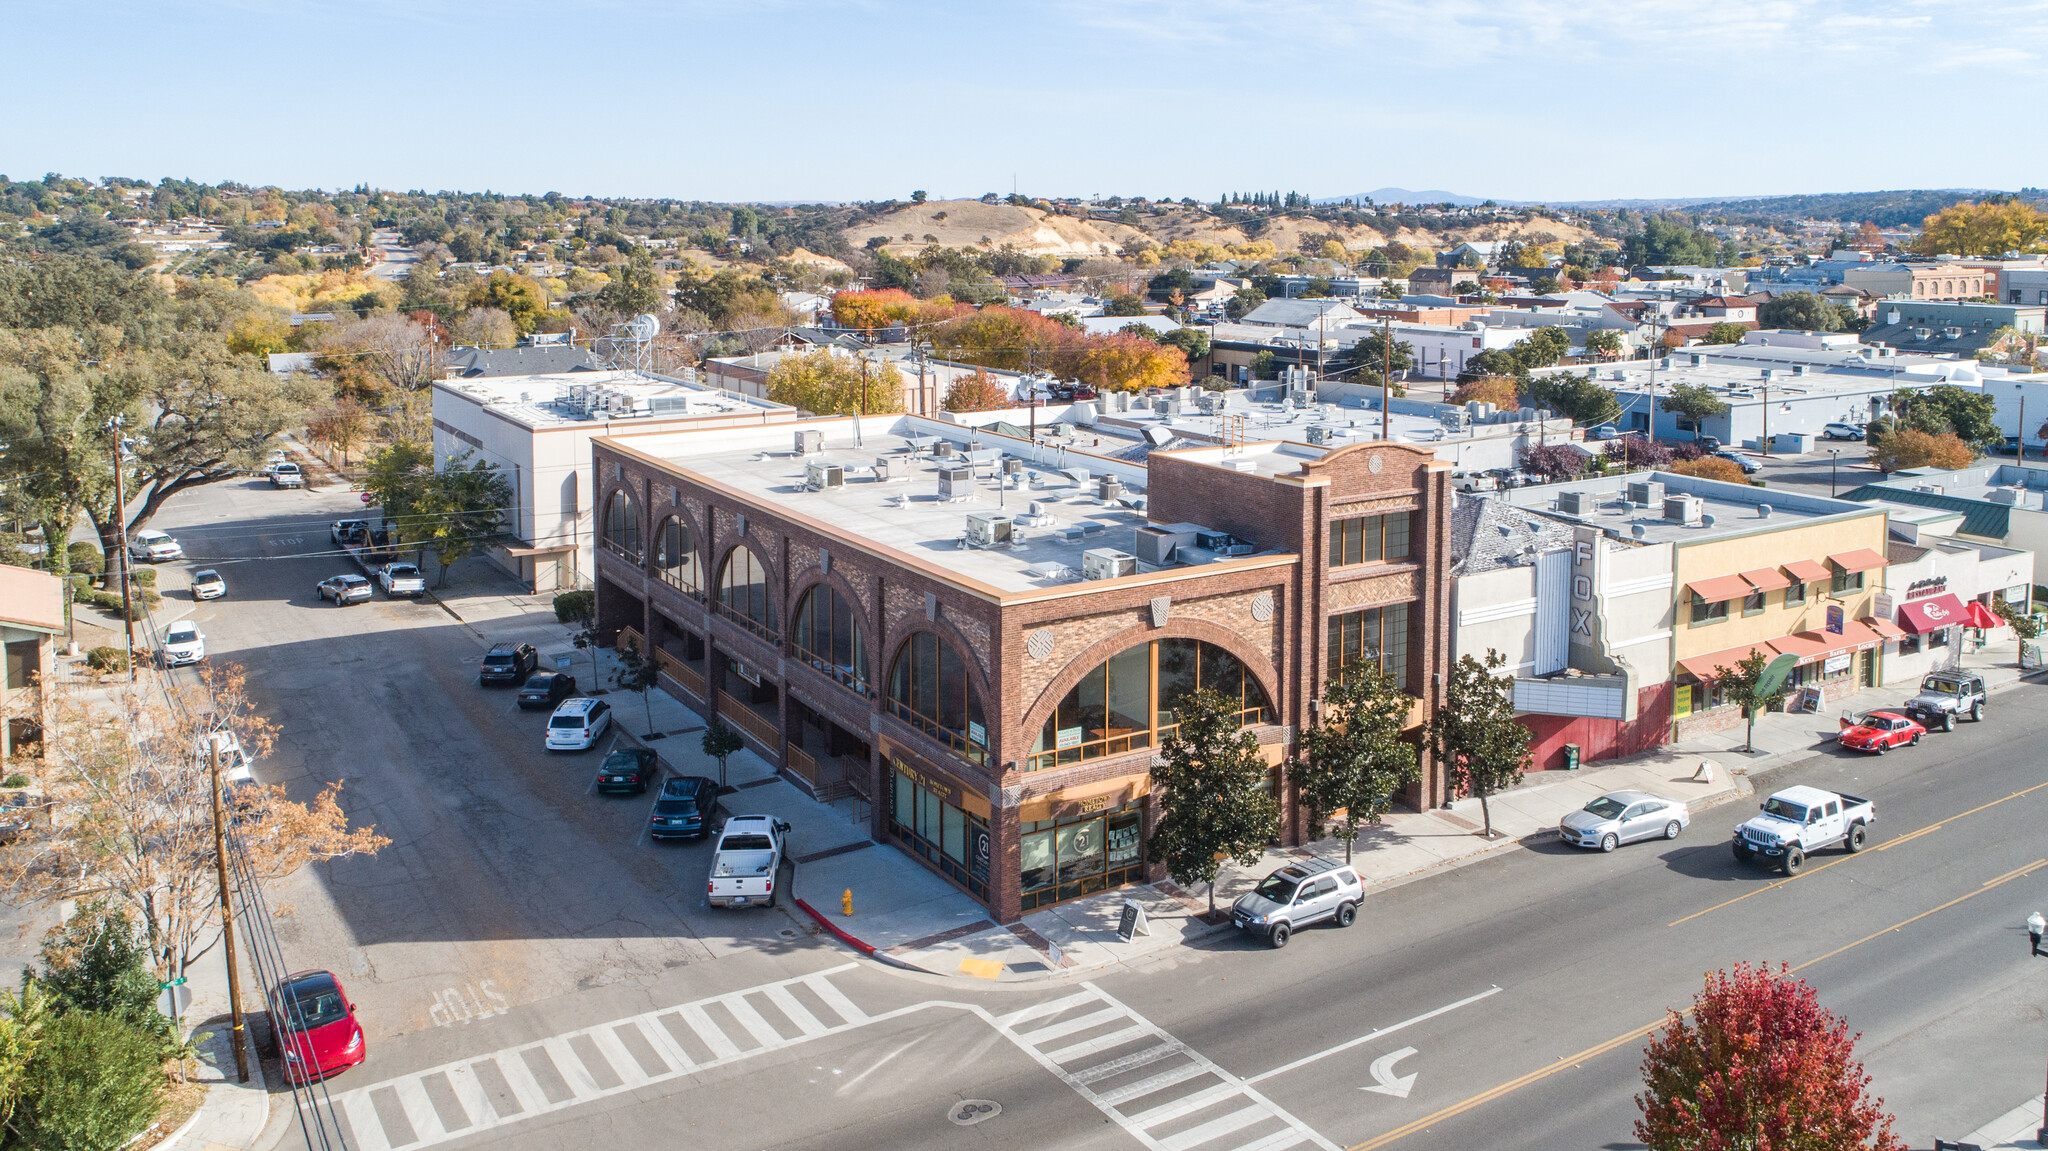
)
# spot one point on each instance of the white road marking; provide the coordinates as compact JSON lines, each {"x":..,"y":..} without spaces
{"x":1370,"y":1036}
{"x":664,"y":1044}
{"x":363,"y":1121}
{"x":525,"y":1088}
{"x":580,"y":1081}
{"x":419,"y":1110}
{"x":470,"y":1093}
{"x":797,"y":1012}
{"x":834,"y":998}
{"x":1044,"y":1035}
{"x":616,"y":1054}
{"x":721,"y":1047}
{"x":1385,"y":1081}
{"x":1159,"y":1082}
{"x":1215,"y":1128}
{"x":759,"y":1028}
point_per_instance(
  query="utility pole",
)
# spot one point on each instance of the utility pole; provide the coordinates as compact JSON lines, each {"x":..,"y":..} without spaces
{"x":227,"y":915}
{"x":121,"y":522}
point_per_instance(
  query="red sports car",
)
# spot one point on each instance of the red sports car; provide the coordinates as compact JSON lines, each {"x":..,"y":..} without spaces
{"x":1880,"y":731}
{"x":315,"y":1026}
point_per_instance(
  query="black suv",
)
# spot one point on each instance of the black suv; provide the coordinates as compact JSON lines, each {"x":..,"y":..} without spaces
{"x":628,"y":769}
{"x":508,"y":663}
{"x":685,"y":808}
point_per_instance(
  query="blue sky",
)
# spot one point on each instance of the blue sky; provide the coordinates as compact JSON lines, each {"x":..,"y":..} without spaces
{"x":867,"y":99}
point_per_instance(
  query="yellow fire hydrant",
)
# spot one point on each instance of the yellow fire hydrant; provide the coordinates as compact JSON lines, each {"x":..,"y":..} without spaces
{"x":846,"y":901}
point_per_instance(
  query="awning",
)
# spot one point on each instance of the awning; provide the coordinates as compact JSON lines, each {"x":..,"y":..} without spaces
{"x":1807,"y":571}
{"x":1860,"y":560}
{"x":1720,"y":588}
{"x":1703,"y":667}
{"x":1809,"y":646}
{"x":1932,"y":614}
{"x":1981,"y":616}
{"x":1882,"y":627}
{"x":1768,"y":579}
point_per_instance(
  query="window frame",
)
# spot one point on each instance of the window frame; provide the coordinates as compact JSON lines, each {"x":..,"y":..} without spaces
{"x":908,"y":674}
{"x":686,"y":574}
{"x":1390,"y":656}
{"x":1357,"y":540}
{"x":767,"y":629}
{"x":1203,"y":669}
{"x":827,"y":663}
{"x":1702,"y":613}
{"x":634,"y":547}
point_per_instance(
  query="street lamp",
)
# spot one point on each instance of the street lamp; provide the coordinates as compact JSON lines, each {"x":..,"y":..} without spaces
{"x":2036,"y":925}
{"x":1834,"y":458}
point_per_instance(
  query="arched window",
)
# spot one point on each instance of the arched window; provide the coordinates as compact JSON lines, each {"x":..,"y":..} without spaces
{"x":675,"y":556}
{"x":929,"y":689}
{"x":622,"y":526}
{"x":828,"y":637}
{"x":743,"y":595}
{"x":1129,"y":701}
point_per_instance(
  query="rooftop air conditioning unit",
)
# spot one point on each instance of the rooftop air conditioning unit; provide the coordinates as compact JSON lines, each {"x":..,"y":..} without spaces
{"x":1799,"y":369}
{"x":943,"y":449}
{"x":809,"y":442}
{"x":1214,"y":541}
{"x":1155,"y":546}
{"x":1698,"y":359}
{"x":1213,"y":402}
{"x":956,"y":483}
{"x":1108,"y":487}
{"x":1107,"y":563}
{"x":990,"y":530}
{"x":819,"y":475}
{"x":1646,"y":492}
{"x":1682,"y":509}
{"x":1575,"y":503}
{"x":1318,"y":435}
{"x":1012,"y":466}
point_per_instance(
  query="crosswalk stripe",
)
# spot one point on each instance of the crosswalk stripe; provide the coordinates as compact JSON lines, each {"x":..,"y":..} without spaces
{"x":664,"y":1044}
{"x":1216,"y":1128}
{"x":1276,"y":1141}
{"x":1044,"y":1035}
{"x":1101,"y":1043}
{"x":362,"y":1119}
{"x":615,"y":1053}
{"x":419,"y":1110}
{"x":1050,"y":1007}
{"x":797,"y":1012}
{"x":469,"y":1091}
{"x":834,"y":998}
{"x":524,"y":1087}
{"x":578,"y":1077}
{"x":751,"y":1019}
{"x":721,"y":1047}
{"x":1186,"y":1105}
{"x":1129,"y":1062}
{"x":1159,"y":1082}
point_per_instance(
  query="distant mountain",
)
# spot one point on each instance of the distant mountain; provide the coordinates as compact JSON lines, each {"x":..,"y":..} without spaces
{"x":1407,"y":196}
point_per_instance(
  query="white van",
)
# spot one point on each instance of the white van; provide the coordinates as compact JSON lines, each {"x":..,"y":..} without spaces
{"x":578,"y":724}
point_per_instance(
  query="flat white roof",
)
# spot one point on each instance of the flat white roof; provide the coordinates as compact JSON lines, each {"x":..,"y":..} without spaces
{"x":593,"y":398}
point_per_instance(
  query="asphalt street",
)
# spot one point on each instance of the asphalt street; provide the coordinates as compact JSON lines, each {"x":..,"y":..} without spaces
{"x":594,"y":997}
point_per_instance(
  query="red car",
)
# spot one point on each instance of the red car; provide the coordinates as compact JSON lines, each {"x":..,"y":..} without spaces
{"x":315,"y":1026}
{"x":1880,"y":731}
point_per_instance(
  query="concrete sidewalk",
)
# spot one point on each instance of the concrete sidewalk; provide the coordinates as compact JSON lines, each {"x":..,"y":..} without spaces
{"x":2016,"y":1128}
{"x":233,"y":1114}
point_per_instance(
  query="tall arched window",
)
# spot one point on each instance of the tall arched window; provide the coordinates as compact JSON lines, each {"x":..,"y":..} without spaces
{"x":675,"y":556}
{"x":828,"y":637}
{"x":743,"y":594}
{"x":929,"y":689}
{"x":1129,"y":701}
{"x":622,"y":527}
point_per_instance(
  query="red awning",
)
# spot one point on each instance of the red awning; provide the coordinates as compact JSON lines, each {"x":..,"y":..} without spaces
{"x":1860,"y":560}
{"x":1767,"y":579}
{"x":1807,"y":571}
{"x":1720,"y":588}
{"x":1981,"y":616}
{"x":1703,"y":667}
{"x":1932,"y":614}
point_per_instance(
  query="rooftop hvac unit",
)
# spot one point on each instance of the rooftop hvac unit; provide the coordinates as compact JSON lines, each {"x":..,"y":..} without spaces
{"x":973,"y":445}
{"x":956,"y":483}
{"x":819,"y":475}
{"x":892,"y":468}
{"x":1155,"y":545}
{"x":1215,"y":541}
{"x":1107,"y":563}
{"x":1682,"y":509}
{"x":1932,"y":489}
{"x":943,"y":449}
{"x":1698,"y":359}
{"x":1575,"y":503}
{"x":809,"y":442}
{"x":1213,"y":402}
{"x":1318,"y":435}
{"x":990,"y":530}
{"x":1799,"y":369}
{"x":2007,"y":496}
{"x":1646,"y":492}
{"x":1108,"y":487}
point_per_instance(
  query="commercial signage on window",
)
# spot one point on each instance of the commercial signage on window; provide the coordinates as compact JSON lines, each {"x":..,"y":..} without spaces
{"x":1835,"y":617}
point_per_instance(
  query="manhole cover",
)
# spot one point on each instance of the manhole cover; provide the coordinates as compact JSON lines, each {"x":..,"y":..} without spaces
{"x":788,"y":934}
{"x":968,"y":1112}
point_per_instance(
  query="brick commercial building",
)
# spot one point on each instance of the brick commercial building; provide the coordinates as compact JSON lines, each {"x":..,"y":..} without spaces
{"x":987,"y":636}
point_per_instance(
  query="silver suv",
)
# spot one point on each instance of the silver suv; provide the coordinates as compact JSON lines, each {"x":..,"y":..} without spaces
{"x":1297,"y":895}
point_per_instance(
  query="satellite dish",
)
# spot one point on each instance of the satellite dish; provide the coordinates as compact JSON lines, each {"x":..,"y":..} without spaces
{"x":643,"y":327}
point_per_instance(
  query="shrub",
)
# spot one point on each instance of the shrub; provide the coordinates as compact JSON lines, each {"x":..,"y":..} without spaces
{"x":86,"y":558}
{"x":143,"y":577}
{"x":1710,"y":468}
{"x":107,"y":659}
{"x":16,"y":780}
{"x":93,"y":1083}
{"x":93,"y":963}
{"x":575,"y":606}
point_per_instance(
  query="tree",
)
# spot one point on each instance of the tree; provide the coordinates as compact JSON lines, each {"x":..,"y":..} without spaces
{"x":1636,"y":452}
{"x":133,"y":818}
{"x":398,"y":350}
{"x":1983,"y":229}
{"x":462,"y":507}
{"x":1192,"y":342}
{"x":1123,"y":305}
{"x":1244,"y":300}
{"x":1351,"y":761}
{"x":1370,"y":354}
{"x":1604,"y":343}
{"x":720,"y":742}
{"x":1696,"y":402}
{"x":1573,"y":395}
{"x":1726,"y":332}
{"x":917,"y":197}
{"x":976,"y":393}
{"x":1740,"y":685}
{"x":399,"y":479}
{"x":634,"y":288}
{"x":1972,"y":416}
{"x":1545,"y":285}
{"x":1906,"y":448}
{"x":93,"y":962}
{"x":93,"y":1084}
{"x":1496,"y":390}
{"x":1799,"y":311}
{"x":1759,"y":1066}
{"x":341,"y":424}
{"x":521,"y":298}
{"x":1555,"y":462}
{"x":1671,"y":240}
{"x":834,"y":385}
{"x":1265,"y":365}
{"x":637,"y":672}
{"x":485,"y":328}
{"x":1543,"y":347}
{"x":1475,"y":737}
{"x":1211,"y":779}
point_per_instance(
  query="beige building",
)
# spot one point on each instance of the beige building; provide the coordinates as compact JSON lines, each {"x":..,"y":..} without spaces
{"x":1922,"y":281}
{"x":31,"y":617}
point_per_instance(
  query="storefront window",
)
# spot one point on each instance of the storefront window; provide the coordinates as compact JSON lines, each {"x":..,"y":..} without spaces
{"x":1129,"y":701}
{"x":954,"y":840}
{"x":1080,"y":854}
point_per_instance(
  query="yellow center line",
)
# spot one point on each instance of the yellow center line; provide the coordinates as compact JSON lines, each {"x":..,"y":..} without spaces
{"x":1572,"y":1061}
{"x":1886,"y":846}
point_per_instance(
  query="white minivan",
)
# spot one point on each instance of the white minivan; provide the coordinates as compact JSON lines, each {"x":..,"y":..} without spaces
{"x":578,"y":724}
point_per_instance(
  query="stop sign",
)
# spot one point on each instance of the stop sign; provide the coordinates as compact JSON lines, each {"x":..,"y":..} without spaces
{"x":366,"y":497}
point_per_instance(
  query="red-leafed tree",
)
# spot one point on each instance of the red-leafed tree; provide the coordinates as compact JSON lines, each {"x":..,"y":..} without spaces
{"x":1759,"y":1066}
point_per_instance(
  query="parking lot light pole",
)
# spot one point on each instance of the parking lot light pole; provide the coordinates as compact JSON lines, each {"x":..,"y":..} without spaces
{"x":2036,"y":925}
{"x":1834,"y":458}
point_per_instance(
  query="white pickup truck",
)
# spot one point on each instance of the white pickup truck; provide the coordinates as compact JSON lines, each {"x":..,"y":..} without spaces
{"x":286,"y":474}
{"x":1798,"y":821}
{"x":401,"y":579}
{"x":749,"y":855}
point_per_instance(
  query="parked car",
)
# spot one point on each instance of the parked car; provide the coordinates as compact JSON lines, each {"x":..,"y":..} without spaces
{"x":208,"y":584}
{"x":1474,"y":482}
{"x":152,"y":546}
{"x":1799,"y":821}
{"x":508,"y":663}
{"x":315,"y":1026}
{"x":1879,"y":732}
{"x":1624,"y":817}
{"x":183,"y":644}
{"x":346,"y":532}
{"x":578,"y":724}
{"x":287,"y":475}
{"x":344,"y":589}
{"x":1298,"y":895}
{"x":746,"y":861}
{"x":685,"y":808}
{"x":1840,"y":431}
{"x":276,"y":457}
{"x":546,"y":689}
{"x":235,"y":764}
{"x":628,"y":769}
{"x":1946,"y":695}
{"x":1749,"y":465}
{"x":401,"y":580}
{"x":1602,"y":432}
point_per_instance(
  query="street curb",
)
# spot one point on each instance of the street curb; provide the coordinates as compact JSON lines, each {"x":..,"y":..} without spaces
{"x":865,"y":948}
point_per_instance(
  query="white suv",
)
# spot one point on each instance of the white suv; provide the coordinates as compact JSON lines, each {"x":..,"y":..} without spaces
{"x":578,"y":724}
{"x":152,"y":546}
{"x":1297,"y":895}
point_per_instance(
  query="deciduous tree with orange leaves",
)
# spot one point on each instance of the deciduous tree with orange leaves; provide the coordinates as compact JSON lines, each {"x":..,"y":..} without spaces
{"x":976,"y":393}
{"x":1758,"y":1065}
{"x":1904,"y":448}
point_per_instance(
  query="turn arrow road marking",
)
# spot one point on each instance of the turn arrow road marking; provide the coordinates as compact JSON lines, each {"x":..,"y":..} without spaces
{"x":1385,"y":1082}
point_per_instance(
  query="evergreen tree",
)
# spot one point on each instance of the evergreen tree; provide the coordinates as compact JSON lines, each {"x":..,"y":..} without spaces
{"x":1211,"y":780}
{"x":1353,"y":759}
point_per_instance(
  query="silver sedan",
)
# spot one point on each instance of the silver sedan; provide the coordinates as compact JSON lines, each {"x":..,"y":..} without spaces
{"x":1623,"y":817}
